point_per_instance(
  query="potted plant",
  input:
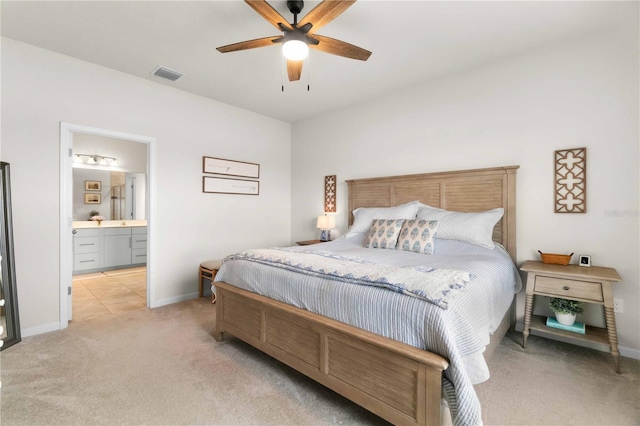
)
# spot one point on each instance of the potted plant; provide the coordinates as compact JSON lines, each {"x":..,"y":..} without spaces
{"x":565,"y":309}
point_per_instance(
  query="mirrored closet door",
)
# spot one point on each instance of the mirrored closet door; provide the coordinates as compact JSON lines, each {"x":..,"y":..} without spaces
{"x":9,"y":322}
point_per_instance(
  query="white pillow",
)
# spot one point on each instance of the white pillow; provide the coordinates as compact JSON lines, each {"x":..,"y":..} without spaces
{"x":473,"y":228}
{"x":364,"y":216}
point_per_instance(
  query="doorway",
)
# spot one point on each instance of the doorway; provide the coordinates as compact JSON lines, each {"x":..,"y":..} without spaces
{"x":67,"y":132}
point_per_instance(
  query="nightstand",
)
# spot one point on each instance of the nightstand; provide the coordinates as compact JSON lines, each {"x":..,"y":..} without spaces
{"x":309,"y":242}
{"x":589,"y":285}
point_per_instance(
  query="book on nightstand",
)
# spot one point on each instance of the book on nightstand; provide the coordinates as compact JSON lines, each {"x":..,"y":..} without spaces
{"x":577,"y":327}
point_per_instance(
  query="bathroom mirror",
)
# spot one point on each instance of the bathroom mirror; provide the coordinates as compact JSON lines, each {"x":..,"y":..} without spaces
{"x":9,"y":321}
{"x":120,"y":195}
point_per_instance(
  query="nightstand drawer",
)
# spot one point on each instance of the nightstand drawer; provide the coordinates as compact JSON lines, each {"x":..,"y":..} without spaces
{"x":569,"y":288}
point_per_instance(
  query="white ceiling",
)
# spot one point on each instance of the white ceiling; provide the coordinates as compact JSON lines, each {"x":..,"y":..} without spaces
{"x":411,"y":41}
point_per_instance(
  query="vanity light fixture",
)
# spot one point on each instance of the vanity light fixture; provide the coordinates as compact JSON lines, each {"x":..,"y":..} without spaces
{"x":95,"y":160}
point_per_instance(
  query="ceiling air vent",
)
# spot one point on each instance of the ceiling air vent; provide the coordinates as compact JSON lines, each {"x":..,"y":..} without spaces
{"x":167,"y":73}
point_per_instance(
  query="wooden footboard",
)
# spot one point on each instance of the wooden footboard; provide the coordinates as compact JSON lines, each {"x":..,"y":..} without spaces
{"x":398,"y":382}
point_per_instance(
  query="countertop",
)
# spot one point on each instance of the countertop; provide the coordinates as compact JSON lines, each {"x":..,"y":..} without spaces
{"x":83,"y":224}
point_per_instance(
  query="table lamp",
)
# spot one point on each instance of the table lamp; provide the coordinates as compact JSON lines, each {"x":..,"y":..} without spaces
{"x":325,"y":224}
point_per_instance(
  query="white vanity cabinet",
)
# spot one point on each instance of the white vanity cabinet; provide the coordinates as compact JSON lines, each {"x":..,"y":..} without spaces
{"x":86,"y":249}
{"x":138,"y":245}
{"x":97,"y":249}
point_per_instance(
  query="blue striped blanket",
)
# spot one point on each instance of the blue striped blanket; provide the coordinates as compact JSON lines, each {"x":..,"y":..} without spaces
{"x":437,"y":286}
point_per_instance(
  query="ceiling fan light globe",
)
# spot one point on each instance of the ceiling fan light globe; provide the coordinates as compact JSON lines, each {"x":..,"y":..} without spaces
{"x":295,"y":50}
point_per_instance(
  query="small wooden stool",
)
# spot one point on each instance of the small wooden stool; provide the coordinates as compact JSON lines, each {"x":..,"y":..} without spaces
{"x":208,"y":270}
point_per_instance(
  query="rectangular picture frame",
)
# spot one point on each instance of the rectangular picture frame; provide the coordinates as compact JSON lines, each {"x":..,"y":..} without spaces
{"x":584,"y":260}
{"x":92,"y":198}
{"x":220,"y":185}
{"x":92,"y":185}
{"x":221,"y":166}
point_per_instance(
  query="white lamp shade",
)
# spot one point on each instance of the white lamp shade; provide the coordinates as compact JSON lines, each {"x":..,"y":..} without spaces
{"x":295,"y":50}
{"x":326,"y":222}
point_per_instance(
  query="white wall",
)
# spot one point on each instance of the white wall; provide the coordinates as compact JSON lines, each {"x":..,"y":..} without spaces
{"x":41,"y":88}
{"x":581,"y":93}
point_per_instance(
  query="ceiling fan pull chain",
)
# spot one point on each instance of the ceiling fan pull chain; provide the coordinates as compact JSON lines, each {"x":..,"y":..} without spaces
{"x":308,"y":72}
{"x":283,"y":61}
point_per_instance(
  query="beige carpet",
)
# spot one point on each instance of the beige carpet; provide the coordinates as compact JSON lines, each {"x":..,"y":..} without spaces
{"x":162,"y":367}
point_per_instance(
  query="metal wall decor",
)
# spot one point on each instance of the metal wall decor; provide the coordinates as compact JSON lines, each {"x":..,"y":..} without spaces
{"x":571,"y":180}
{"x":330,"y":194}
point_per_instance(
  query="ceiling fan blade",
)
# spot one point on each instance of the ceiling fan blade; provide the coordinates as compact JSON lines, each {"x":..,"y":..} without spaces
{"x":294,"y":70}
{"x":324,"y":13}
{"x":340,"y":48}
{"x":269,"y":13}
{"x":249,"y":44}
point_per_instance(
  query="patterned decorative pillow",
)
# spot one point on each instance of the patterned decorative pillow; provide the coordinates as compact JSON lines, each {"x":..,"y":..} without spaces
{"x":384,"y":233}
{"x":417,"y":236}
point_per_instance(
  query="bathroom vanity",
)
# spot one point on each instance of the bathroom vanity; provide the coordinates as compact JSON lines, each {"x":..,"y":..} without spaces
{"x":113,"y":244}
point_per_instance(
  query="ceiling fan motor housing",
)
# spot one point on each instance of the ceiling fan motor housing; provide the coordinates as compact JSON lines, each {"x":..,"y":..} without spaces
{"x":295,"y":6}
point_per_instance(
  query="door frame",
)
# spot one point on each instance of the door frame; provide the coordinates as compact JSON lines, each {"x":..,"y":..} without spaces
{"x":66,"y":209}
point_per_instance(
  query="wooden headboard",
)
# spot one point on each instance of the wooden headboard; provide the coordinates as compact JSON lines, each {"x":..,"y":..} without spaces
{"x":463,"y":191}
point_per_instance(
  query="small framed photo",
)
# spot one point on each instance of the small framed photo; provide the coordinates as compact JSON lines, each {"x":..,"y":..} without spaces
{"x":584,"y":260}
{"x":92,"y":185}
{"x":90,"y":198}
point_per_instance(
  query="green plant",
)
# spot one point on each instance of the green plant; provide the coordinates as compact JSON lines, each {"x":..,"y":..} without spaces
{"x":565,"y":306}
{"x":93,"y":213}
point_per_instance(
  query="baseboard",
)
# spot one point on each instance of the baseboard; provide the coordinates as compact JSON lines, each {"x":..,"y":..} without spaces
{"x":624,"y":351}
{"x":170,"y":300}
{"x":46,"y":328}
{"x":629,"y":352}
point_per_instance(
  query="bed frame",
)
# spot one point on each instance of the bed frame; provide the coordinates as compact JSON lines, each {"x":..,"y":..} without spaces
{"x":398,"y":382}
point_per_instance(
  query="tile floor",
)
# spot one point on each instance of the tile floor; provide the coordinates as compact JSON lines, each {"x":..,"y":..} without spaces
{"x":108,"y":293}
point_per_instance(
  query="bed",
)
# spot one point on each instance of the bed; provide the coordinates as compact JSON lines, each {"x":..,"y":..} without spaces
{"x":401,"y":382}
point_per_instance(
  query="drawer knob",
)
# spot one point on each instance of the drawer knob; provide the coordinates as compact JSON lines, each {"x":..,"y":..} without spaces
{"x":566,"y":287}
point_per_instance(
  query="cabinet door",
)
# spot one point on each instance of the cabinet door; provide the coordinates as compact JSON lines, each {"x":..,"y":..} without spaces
{"x":117,"y":250}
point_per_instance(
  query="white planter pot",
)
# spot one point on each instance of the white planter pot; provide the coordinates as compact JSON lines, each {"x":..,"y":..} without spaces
{"x":566,"y":319}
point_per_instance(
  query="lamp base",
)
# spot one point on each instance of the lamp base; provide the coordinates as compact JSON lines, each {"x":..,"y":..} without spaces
{"x":325,"y":235}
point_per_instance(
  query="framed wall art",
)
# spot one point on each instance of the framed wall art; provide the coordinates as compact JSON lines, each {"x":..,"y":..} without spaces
{"x":92,"y":185}
{"x":91,"y":198}
{"x":220,"y":166}
{"x":571,"y":180}
{"x":221,"y":185}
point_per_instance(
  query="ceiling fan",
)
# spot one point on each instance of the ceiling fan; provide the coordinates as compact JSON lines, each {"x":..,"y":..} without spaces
{"x":299,"y":36}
